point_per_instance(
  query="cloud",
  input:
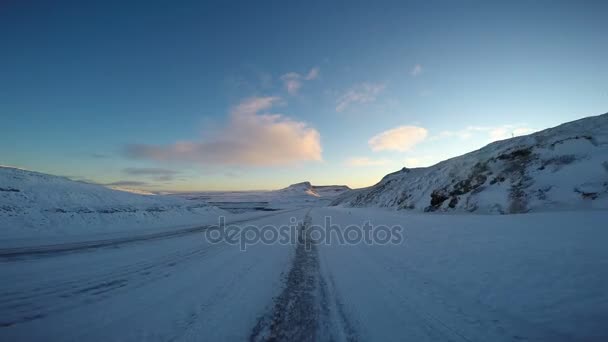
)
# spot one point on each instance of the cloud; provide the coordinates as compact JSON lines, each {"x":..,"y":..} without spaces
{"x":359,"y":93}
{"x":149,"y":171}
{"x":156,"y":173}
{"x":416,"y":70}
{"x":293,"y":81}
{"x":249,"y":139}
{"x":127,"y":183}
{"x":507,"y":132}
{"x":401,"y":138}
{"x":364,"y":161}
{"x":493,"y":132}
{"x":423,"y":161}
{"x":462,"y":134}
{"x":312,"y":74}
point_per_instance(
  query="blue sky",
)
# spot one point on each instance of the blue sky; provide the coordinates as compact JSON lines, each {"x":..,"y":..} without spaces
{"x":258,"y":95}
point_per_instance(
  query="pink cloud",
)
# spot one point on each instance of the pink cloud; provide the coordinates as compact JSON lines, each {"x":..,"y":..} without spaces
{"x":401,"y":138}
{"x":250,"y":139}
{"x":365,"y":161}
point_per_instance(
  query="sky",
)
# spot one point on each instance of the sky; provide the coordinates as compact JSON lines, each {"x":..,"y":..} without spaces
{"x":196,"y":95}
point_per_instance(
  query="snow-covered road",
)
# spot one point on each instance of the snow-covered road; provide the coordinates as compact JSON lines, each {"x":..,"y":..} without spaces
{"x":178,"y":288}
{"x":454,"y":278}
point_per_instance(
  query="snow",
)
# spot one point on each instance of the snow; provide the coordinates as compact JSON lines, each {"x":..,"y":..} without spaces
{"x":540,"y":276}
{"x":172,"y":289}
{"x":40,"y":206}
{"x":37,"y":207}
{"x":293,"y":196}
{"x":561,"y":168}
{"x":457,"y":277}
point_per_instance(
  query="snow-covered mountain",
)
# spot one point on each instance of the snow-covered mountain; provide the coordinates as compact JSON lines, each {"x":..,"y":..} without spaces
{"x":561,"y":168}
{"x":299,"y":189}
{"x":305,"y":188}
{"x":308,"y":194}
{"x":32,"y":200}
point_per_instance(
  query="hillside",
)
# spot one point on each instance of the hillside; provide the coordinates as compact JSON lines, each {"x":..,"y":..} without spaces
{"x":561,"y":168}
{"x":32,"y":201}
{"x":315,"y":190}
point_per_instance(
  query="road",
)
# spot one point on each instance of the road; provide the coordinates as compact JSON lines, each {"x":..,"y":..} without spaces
{"x":180,"y":287}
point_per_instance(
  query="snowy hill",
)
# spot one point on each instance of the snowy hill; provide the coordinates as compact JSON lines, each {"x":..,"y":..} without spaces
{"x":561,"y":168}
{"x":36,"y":201}
{"x":314,"y":190}
{"x":303,"y":188}
{"x":307,"y":193}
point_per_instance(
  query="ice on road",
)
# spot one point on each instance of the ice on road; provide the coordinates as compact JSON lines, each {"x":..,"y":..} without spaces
{"x":536,"y":277}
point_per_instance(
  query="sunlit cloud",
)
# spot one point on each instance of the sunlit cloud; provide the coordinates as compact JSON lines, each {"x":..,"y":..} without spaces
{"x":492,"y":133}
{"x":416,"y":70}
{"x":401,"y":139}
{"x":422,"y":161}
{"x":507,"y":132}
{"x":359,"y":93}
{"x":293,"y":81}
{"x":365,"y":161}
{"x":250,"y":138}
{"x":462,"y":134}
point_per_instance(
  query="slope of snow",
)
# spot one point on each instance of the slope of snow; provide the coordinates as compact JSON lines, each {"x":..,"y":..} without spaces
{"x":560,"y":168}
{"x":37,"y":204}
{"x":298,"y":189}
{"x":329,"y":191}
{"x":458,"y":277}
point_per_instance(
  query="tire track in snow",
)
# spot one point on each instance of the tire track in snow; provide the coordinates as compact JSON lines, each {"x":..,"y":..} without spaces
{"x":15,"y":254}
{"x":70,"y":294}
{"x":58,"y":295}
{"x":303,"y":310}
